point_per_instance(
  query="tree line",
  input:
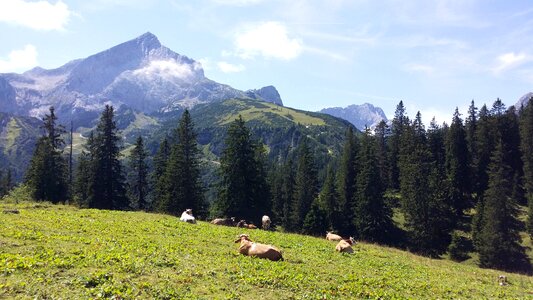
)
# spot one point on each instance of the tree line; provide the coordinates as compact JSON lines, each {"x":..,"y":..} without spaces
{"x":458,"y":187}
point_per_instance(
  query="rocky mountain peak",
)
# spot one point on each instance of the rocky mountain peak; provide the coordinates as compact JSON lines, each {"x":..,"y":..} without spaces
{"x":361,"y":115}
{"x":268,"y":93}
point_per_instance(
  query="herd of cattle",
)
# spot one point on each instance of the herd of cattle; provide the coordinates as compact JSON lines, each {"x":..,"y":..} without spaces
{"x":249,"y":248}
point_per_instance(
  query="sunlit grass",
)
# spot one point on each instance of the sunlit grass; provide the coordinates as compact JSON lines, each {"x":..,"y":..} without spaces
{"x":49,"y":251}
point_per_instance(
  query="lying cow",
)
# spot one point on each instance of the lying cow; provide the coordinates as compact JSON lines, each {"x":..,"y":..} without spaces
{"x":226,"y":221}
{"x":187,"y":216}
{"x":243,"y":224}
{"x":266,"y":222}
{"x":330,"y":236}
{"x":345,"y":246}
{"x":250,"y":248}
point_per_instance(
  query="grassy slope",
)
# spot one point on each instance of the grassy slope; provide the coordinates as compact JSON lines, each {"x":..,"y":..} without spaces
{"x":63,"y":252}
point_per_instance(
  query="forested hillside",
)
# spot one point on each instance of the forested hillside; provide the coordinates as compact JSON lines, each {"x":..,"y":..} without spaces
{"x":458,"y":190}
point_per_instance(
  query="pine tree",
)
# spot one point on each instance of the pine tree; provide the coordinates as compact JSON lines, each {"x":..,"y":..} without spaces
{"x":485,"y":145}
{"x":315,"y":220}
{"x":329,"y":201}
{"x":424,"y":189}
{"x":373,"y":219}
{"x":47,"y":173}
{"x":457,"y":165}
{"x":346,"y":178}
{"x":242,"y":190}
{"x":470,"y":129}
{"x":381,"y":132}
{"x":399,"y":123}
{"x":499,"y":241}
{"x":526,"y":146}
{"x":138,"y":179}
{"x":306,"y":185}
{"x":287,"y":194}
{"x":157,"y":177}
{"x":182,"y":186}
{"x":106,"y":187}
{"x":83,"y":176}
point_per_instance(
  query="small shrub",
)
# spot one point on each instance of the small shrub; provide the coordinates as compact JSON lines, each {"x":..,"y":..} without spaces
{"x":21,"y":193}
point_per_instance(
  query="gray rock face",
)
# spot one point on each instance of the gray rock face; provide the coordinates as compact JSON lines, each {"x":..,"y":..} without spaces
{"x":267,"y":93}
{"x":524,"y":100}
{"x":359,"y":115}
{"x":141,"y":74}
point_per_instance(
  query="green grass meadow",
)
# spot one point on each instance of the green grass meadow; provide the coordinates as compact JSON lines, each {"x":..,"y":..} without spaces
{"x":61,"y":252}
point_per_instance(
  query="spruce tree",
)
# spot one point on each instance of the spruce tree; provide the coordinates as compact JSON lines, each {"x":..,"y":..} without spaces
{"x":138,"y":179}
{"x":315,"y":220}
{"x":83,"y":176}
{"x":306,"y":185}
{"x":182,"y":187}
{"x":373,"y":219}
{"x":346,"y":178}
{"x":157,"y":177}
{"x":47,"y":173}
{"x":526,"y":146}
{"x":485,"y":133}
{"x":287,"y":194}
{"x":399,"y":123}
{"x":381,"y":132}
{"x":106,"y":188}
{"x":499,"y":240}
{"x":470,"y":129}
{"x":329,"y":201}
{"x":457,"y":165}
{"x":242,"y":190}
{"x":424,"y":189}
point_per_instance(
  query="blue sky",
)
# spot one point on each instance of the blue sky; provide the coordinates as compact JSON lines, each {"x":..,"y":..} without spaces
{"x":433,"y":55}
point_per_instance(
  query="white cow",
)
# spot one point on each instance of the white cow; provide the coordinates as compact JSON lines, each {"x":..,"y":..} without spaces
{"x":266,"y":222}
{"x":187,"y":216}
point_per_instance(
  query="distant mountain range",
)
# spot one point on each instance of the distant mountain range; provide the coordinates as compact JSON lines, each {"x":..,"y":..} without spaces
{"x":149,"y":85}
{"x":359,"y":115}
{"x":141,"y":74}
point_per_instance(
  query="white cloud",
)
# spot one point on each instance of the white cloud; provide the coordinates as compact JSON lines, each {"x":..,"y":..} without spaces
{"x":510,"y":60}
{"x":230,"y":68}
{"x":168,"y":70}
{"x":40,"y":15}
{"x":270,"y":40}
{"x":19,"y":60}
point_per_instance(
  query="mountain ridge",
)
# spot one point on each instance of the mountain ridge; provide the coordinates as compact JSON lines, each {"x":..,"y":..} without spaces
{"x":140,"y":73}
{"x":361,"y":116}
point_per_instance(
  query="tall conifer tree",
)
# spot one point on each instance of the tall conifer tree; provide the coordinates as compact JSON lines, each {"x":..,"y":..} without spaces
{"x":138,"y":177}
{"x":183,"y":188}
{"x":373,"y":219}
{"x":107,"y":184}
{"x":242,"y":190}
{"x":399,"y":124}
{"x":47,"y":173}
{"x":457,"y":165}
{"x":306,"y":184}
{"x":346,"y":178}
{"x":157,"y":177}
{"x":499,"y":240}
{"x":526,"y":146}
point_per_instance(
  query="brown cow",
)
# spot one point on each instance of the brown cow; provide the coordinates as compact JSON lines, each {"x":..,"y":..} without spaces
{"x":345,"y":246}
{"x":330,"y":236}
{"x":226,"y":222}
{"x":250,"y":248}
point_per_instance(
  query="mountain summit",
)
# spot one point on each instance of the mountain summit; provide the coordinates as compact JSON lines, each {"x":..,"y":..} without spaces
{"x":141,"y":74}
{"x":359,"y":115}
